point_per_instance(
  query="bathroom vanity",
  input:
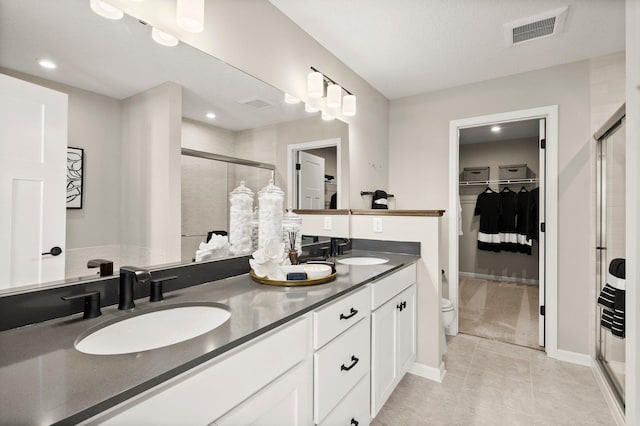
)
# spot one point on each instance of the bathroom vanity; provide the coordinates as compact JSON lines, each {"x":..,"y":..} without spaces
{"x":286,"y":355}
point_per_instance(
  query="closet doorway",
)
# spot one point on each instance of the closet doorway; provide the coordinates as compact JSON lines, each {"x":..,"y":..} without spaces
{"x":500,"y":273}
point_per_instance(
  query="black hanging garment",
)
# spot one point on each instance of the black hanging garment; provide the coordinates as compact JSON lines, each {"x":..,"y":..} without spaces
{"x":488,"y":207}
{"x":379,"y":200}
{"x":507,"y":221}
{"x":532,"y":215}
{"x":522,"y":221}
{"x":612,"y":299}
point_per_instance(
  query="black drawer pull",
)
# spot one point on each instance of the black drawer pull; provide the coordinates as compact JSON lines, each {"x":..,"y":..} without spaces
{"x":404,"y":305}
{"x":399,"y":307}
{"x":55,"y":251}
{"x":353,"y":364}
{"x":352,"y":312}
{"x":513,"y":170}
{"x":354,"y":422}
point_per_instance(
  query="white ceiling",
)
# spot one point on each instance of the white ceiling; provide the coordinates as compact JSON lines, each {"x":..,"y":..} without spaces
{"x":508,"y":131}
{"x":408,"y":47}
{"x":119,"y":59}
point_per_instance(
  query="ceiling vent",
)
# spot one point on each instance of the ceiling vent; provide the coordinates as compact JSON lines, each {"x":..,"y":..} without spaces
{"x":535,"y":27}
{"x":257,"y":103}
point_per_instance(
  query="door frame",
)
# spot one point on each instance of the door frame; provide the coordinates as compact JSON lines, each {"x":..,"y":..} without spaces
{"x":550,"y":114}
{"x":292,"y":155}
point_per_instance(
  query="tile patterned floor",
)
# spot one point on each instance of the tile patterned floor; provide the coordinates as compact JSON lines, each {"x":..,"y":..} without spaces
{"x":498,"y":310}
{"x":493,"y":383}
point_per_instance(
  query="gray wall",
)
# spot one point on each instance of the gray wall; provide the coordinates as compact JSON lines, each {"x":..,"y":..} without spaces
{"x":495,"y":154}
{"x":420,"y":173}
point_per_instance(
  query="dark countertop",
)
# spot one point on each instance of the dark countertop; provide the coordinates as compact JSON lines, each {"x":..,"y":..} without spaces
{"x":45,"y":380}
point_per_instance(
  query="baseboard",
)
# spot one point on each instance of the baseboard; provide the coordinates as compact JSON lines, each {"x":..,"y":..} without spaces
{"x":431,"y":373}
{"x":573,"y":358}
{"x":498,"y":278}
{"x":616,"y":411}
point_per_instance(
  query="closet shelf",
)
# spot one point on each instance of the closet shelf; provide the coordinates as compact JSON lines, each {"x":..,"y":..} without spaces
{"x":499,"y":182}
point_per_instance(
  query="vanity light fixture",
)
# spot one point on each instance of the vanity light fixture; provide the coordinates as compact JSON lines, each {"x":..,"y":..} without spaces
{"x":310,"y":108}
{"x":349,"y":105}
{"x":495,"y":129}
{"x":46,"y":63}
{"x":211,"y":115}
{"x":105,"y":9}
{"x":334,"y":96}
{"x":327,"y":117}
{"x":291,"y":99}
{"x":190,"y":15}
{"x":316,"y":83}
{"x":163,"y":38}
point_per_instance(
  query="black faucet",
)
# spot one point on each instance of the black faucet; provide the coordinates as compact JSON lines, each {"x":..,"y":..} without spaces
{"x":129,"y":275}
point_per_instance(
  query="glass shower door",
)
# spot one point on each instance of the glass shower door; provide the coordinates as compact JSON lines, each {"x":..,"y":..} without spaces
{"x":610,"y":350}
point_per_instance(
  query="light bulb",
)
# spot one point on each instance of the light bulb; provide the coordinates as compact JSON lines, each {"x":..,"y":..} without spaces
{"x":349,"y":105}
{"x":495,"y":129}
{"x":315,"y":85}
{"x":105,"y":9}
{"x":211,"y":115}
{"x":46,"y":63}
{"x":163,"y":38}
{"x":190,"y":15}
{"x":334,"y":96}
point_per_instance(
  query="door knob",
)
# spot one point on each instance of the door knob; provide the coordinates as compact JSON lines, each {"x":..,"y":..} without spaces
{"x":55,"y":251}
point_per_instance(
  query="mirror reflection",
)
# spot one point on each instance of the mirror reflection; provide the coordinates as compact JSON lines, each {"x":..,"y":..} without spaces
{"x":132,"y":107}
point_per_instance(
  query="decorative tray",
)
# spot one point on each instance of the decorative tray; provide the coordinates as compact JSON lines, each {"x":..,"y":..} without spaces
{"x":292,"y":283}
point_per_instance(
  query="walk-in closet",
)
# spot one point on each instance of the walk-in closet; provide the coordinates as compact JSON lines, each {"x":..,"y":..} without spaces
{"x":501,"y":201}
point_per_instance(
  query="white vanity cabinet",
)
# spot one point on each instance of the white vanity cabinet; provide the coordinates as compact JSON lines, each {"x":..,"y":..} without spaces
{"x":393,"y":333}
{"x":341,"y":362}
{"x":265,"y":381}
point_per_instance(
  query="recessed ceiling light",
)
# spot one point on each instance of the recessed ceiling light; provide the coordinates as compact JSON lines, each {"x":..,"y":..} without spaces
{"x":46,"y":63}
{"x":211,"y":115}
{"x":163,"y":38}
{"x":105,"y":9}
{"x":496,"y":129}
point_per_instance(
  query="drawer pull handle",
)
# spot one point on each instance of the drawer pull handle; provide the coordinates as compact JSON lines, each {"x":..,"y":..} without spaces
{"x":352,"y":312}
{"x":401,"y":306}
{"x":353,"y":364}
{"x":513,"y":170}
{"x":354,"y":422}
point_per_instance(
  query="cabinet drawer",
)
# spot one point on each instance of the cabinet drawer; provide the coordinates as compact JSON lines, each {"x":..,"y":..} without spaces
{"x":389,"y":286}
{"x":353,"y":409}
{"x":339,"y":366}
{"x":330,"y":321}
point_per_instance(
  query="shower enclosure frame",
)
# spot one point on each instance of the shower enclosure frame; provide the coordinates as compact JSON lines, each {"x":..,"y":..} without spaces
{"x":613,"y":125}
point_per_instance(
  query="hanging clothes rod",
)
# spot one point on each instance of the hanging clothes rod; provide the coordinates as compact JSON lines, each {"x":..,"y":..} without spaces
{"x":499,"y":182}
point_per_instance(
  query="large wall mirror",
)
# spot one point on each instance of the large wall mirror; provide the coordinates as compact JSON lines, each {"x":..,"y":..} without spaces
{"x":134,"y":107}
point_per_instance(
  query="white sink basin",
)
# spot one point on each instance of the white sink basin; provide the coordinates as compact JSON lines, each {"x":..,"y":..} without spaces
{"x":363,"y":260}
{"x":153,"y":330}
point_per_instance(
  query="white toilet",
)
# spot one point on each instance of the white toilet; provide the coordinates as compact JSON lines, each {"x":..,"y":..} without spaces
{"x":448,"y":315}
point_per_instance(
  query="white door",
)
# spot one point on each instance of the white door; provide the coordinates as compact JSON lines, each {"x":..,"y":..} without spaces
{"x":541,"y":238}
{"x":310,"y":181}
{"x":383,"y":354}
{"x":33,"y":146}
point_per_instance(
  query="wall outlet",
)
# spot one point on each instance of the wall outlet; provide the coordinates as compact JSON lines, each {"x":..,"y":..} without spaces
{"x":377,"y":224}
{"x":327,"y":223}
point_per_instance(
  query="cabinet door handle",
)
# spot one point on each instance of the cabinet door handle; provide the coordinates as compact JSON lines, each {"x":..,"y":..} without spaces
{"x":354,"y":422}
{"x":404,"y":305}
{"x":399,"y":307}
{"x":353,"y":364}
{"x":352,"y":312}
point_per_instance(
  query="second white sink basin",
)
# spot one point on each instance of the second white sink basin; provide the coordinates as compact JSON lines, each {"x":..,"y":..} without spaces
{"x":153,"y":330}
{"x":363,"y":260}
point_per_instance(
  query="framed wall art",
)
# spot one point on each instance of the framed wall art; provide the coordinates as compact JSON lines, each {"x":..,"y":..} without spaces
{"x":75,"y":177}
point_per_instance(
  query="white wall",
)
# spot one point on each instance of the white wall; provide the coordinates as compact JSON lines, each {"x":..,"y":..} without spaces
{"x":419,"y":167}
{"x":151,"y":134}
{"x":493,"y":155}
